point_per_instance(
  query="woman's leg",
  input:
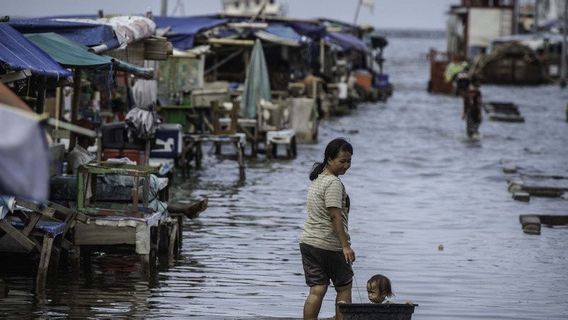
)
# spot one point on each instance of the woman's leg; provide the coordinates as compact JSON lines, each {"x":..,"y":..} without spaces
{"x":313,"y":301}
{"x":343,"y":296}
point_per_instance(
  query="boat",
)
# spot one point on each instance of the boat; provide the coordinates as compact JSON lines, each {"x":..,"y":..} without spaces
{"x":503,"y":111}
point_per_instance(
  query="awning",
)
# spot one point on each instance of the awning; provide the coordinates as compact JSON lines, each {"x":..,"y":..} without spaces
{"x":127,"y":29}
{"x":280,"y":34}
{"x":18,"y":53}
{"x":184,"y":29}
{"x":308,"y":29}
{"x":346,"y":41}
{"x":75,"y":55}
{"x":88,"y":34}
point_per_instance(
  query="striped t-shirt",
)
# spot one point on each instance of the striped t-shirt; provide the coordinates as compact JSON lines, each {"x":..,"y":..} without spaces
{"x":326,"y":191}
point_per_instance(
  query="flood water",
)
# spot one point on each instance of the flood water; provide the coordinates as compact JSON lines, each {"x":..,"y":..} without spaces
{"x":416,"y":183}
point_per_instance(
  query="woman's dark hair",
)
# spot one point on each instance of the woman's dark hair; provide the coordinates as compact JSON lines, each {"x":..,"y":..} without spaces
{"x":331,"y":151}
{"x":382,"y":283}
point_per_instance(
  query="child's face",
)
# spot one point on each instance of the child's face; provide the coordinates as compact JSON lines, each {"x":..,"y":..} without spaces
{"x":375,"y":296}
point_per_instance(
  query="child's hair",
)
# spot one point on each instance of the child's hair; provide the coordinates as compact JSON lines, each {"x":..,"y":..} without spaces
{"x":382,"y":283}
{"x":331,"y":151}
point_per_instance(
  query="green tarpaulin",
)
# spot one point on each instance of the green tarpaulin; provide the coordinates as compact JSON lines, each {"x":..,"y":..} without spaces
{"x":257,"y":83}
{"x":71,"y":54}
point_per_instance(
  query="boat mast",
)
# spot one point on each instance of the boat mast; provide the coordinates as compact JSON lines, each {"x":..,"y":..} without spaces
{"x":563,"y":55}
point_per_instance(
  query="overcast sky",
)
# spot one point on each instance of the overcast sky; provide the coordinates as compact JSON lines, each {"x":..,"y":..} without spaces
{"x":423,"y":14}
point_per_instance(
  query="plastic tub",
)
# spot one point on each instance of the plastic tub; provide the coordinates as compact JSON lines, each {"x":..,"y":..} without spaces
{"x":375,"y":311}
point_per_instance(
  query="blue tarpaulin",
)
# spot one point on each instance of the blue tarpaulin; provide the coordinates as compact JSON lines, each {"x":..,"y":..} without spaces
{"x":346,"y":41}
{"x":18,"y":53}
{"x":281,"y":34}
{"x":183,"y":29}
{"x":88,"y":34}
{"x":307,"y":29}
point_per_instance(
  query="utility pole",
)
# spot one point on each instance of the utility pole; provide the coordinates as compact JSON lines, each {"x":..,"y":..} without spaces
{"x":164,"y":8}
{"x":535,"y":19}
{"x":357,"y":12}
{"x":563,"y":55}
{"x":515,"y":16}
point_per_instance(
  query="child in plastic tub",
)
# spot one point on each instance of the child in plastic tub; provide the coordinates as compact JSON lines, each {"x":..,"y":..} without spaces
{"x":379,"y":288}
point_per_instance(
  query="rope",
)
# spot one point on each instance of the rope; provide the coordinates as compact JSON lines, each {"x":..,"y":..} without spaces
{"x":357,"y":286}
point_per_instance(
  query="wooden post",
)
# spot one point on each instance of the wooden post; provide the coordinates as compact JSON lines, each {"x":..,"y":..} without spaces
{"x":75,"y":255}
{"x":145,"y":261}
{"x":99,"y":145}
{"x":3,"y":289}
{"x":44,"y":262}
{"x":564,"y":48}
{"x":180,"y":232}
{"x":40,"y":99}
{"x":240,"y":155}
{"x":198,"y":154}
{"x":58,"y":96}
{"x":75,"y":105}
{"x":135,"y":194}
{"x":246,"y":61}
{"x":172,"y":243}
{"x":322,"y":56}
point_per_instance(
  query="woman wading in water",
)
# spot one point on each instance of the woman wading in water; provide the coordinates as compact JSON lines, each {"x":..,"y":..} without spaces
{"x":325,"y":243}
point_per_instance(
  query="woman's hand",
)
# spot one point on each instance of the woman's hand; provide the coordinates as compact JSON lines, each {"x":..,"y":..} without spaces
{"x":349,"y":254}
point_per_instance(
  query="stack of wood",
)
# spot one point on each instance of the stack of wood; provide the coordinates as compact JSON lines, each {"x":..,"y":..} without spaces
{"x":157,"y":48}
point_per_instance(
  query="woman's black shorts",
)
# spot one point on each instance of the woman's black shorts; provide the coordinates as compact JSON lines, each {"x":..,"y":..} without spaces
{"x":321,"y":265}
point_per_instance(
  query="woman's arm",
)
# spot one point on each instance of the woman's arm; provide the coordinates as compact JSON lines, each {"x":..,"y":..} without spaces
{"x":337,"y":221}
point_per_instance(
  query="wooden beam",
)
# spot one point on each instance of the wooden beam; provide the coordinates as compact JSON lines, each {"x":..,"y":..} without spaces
{"x":15,"y":76}
{"x":46,"y":211}
{"x":68,"y":211}
{"x":31,"y":224}
{"x":17,"y":235}
{"x":231,"y":42}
